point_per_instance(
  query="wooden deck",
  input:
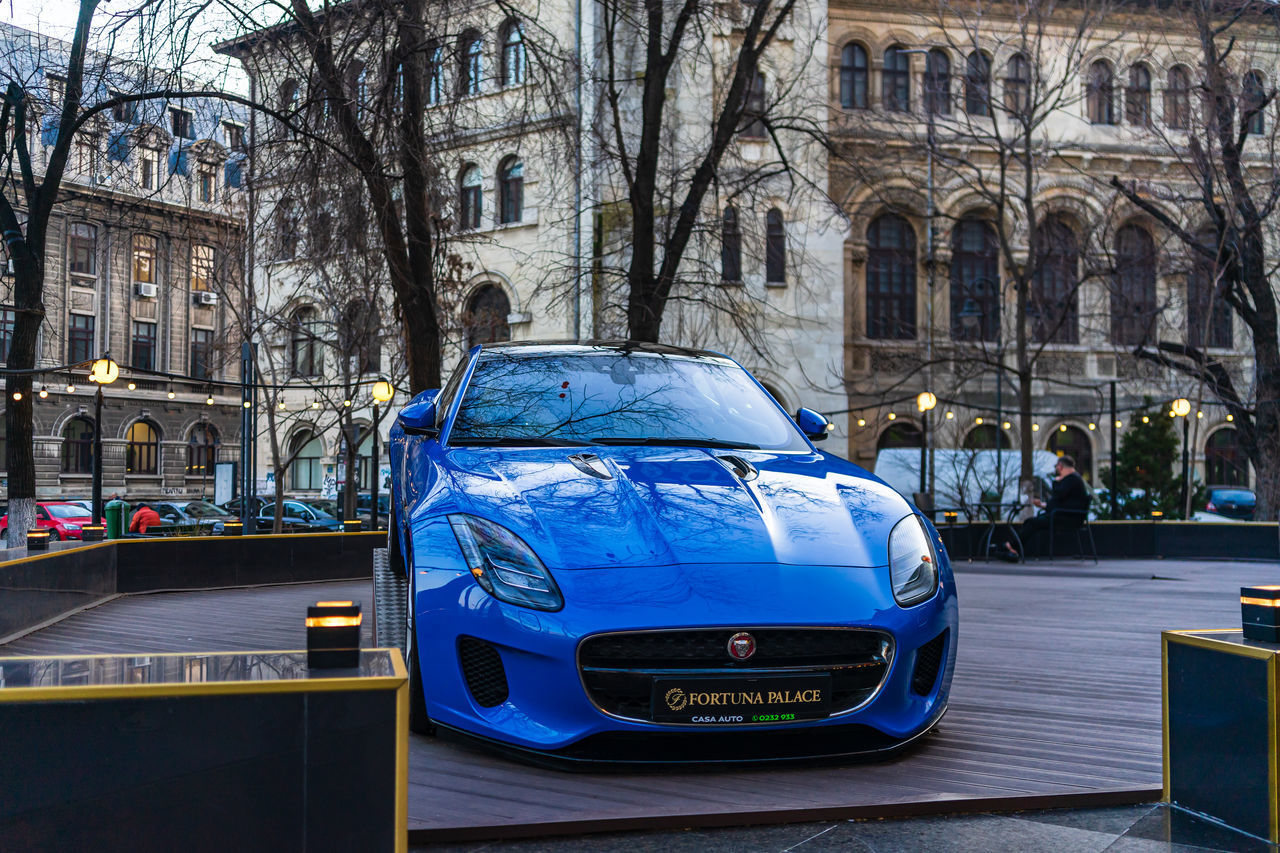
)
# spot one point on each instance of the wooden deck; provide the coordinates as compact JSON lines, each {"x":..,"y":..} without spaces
{"x":1056,"y":701}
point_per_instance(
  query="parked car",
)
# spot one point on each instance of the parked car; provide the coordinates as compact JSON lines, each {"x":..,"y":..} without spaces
{"x":198,"y":516}
{"x":255,"y":504}
{"x":1232,"y":501}
{"x":298,"y":518}
{"x":62,"y":519}
{"x":329,"y":506}
{"x":629,"y":551}
{"x":365,"y":502}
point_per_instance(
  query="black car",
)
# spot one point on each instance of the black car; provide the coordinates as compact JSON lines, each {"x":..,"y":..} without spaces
{"x":1232,"y":502}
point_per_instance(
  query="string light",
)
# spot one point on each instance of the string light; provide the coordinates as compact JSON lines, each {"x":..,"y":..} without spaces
{"x":1119,"y":424}
{"x":893,"y":416}
{"x":1199,"y":414}
{"x":282,"y":406}
{"x":1146,"y":420}
{"x":862,"y":422}
{"x":1230,"y":418}
{"x":346,"y":403}
{"x":71,"y":389}
{"x":950,"y":415}
{"x":1092,"y":427}
{"x":17,"y":395}
{"x":133,"y":386}
{"x":248,"y":405}
{"x":171,"y":394}
{"x":1062,"y":427}
{"x":44,"y":393}
{"x":1035,"y":427}
{"x":315,"y":404}
{"x":1173,"y":414}
{"x":208,"y":401}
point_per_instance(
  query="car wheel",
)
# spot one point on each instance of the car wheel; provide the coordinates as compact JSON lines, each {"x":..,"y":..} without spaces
{"x":419,"y":721}
{"x":4,"y":536}
{"x":54,"y":535}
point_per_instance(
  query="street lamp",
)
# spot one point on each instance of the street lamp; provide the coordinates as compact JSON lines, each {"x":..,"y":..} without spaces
{"x":1181,"y":408}
{"x":382,"y":392}
{"x":925,"y":402}
{"x":104,"y":372}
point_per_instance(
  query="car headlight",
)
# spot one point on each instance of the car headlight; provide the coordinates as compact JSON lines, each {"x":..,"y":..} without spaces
{"x":503,"y":565}
{"x":913,"y":565}
{"x":71,"y":526}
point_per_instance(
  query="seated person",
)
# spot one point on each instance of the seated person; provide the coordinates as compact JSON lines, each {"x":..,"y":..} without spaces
{"x":143,"y":517}
{"x":1069,"y":492}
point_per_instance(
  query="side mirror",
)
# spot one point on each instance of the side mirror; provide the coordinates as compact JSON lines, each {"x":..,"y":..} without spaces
{"x":419,"y":417}
{"x":814,"y":425}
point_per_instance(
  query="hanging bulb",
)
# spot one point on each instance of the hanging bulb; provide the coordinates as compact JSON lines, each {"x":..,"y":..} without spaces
{"x":1230,"y":418}
{"x":315,"y":404}
{"x":133,"y":386}
{"x":1035,"y":427}
{"x":1146,"y":420}
{"x":208,"y":401}
{"x":171,"y":394}
{"x":950,"y":415}
{"x":346,"y":403}
{"x":892,"y":416}
{"x":71,"y":389}
{"x":17,"y":395}
{"x":44,"y":393}
{"x":248,"y":405}
{"x":1092,"y":427}
{"x":862,"y":422}
{"x":282,"y":406}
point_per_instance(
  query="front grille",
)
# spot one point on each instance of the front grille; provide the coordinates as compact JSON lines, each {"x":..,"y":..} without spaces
{"x":618,"y":669}
{"x":482,"y":669}
{"x":928,"y":662}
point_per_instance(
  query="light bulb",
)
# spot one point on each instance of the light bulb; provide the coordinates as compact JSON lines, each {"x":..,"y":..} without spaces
{"x":17,"y":395}
{"x":1146,"y":420}
{"x":1035,"y":427}
{"x":247,"y":404}
{"x":44,"y":393}
{"x":71,"y":389}
{"x":1119,"y":424}
{"x":978,"y":421}
{"x":208,"y":401}
{"x":892,"y":416}
{"x":1230,"y":418}
{"x":950,"y":415}
{"x":862,"y":422}
{"x":1092,"y":427}
{"x":346,"y":403}
{"x":133,"y":386}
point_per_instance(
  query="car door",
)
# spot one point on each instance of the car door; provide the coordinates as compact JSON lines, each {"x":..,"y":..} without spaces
{"x":43,"y":519}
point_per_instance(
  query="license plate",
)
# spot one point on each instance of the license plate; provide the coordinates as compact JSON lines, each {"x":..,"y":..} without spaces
{"x":729,"y":700}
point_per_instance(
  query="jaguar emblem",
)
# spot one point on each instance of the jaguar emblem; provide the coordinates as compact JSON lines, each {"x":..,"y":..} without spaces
{"x":742,"y":646}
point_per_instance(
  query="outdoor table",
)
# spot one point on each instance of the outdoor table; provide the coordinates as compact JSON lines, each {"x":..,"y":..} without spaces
{"x":993,"y":512}
{"x":227,"y":751}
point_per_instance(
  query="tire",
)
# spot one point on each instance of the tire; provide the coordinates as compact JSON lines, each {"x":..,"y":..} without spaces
{"x":54,"y":536}
{"x":419,"y":721}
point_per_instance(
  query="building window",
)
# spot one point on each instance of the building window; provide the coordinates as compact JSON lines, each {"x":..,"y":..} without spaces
{"x":85,"y":156}
{"x":1017,"y":85}
{"x":730,"y":246}
{"x":511,"y":190}
{"x":975,"y":281}
{"x":891,"y":279}
{"x":206,"y":183}
{"x":513,"y":56}
{"x":1054,"y":303}
{"x":143,"y":451}
{"x":853,"y":77}
{"x":898,"y":435}
{"x":937,"y":82}
{"x":469,"y":197}
{"x":1137,"y":102}
{"x":435,"y":74}
{"x":471,"y":68}
{"x":57,"y":89}
{"x":361,"y":335}
{"x":775,"y":248}
{"x":1252,"y":98}
{"x":201,"y":267}
{"x":124,"y":112}
{"x":306,"y":342}
{"x":1225,"y":462}
{"x":286,"y":227}
{"x":143,"y":345}
{"x":1177,"y":98}
{"x":77,"y":446}
{"x":977,"y":84}
{"x":233,"y":136}
{"x":1100,"y":93}
{"x":1073,"y":442}
{"x":202,"y":450}
{"x":201,"y":354}
{"x":80,"y":339}
{"x":180,"y":123}
{"x":754,"y":109}
{"x":986,"y":437}
{"x":149,"y":169}
{"x":304,"y":473}
{"x":895,"y":80}
{"x":1133,"y":292}
{"x":485,"y":320}
{"x":7,"y":320}
{"x":82,"y":249}
{"x":144,"y":258}
{"x":1209,"y":321}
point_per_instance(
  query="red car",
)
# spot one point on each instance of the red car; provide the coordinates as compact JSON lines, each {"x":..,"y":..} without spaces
{"x":62,"y":519}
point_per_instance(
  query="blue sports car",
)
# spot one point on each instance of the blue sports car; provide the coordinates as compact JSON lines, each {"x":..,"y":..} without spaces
{"x":629,"y":552}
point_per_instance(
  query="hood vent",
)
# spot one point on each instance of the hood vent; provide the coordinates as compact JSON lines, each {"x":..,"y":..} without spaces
{"x":590,"y":464}
{"x":744,"y":469}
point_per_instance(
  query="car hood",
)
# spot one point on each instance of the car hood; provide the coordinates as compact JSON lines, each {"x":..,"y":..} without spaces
{"x":662,"y":506}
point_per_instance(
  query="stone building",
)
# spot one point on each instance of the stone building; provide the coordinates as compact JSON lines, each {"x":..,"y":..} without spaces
{"x":144,"y":259}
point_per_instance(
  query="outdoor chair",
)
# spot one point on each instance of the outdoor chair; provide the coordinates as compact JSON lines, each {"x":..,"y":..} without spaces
{"x":1072,"y":521}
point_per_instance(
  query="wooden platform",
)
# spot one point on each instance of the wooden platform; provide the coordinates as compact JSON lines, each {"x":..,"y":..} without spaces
{"x":1056,"y":703}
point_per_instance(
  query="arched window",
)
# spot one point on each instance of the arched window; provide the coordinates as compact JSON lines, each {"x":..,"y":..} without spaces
{"x":937,"y":82}
{"x":305,"y":342}
{"x":485,"y":320}
{"x":143,"y":452}
{"x":1133,"y":292}
{"x":1017,"y":85}
{"x":1252,"y":96}
{"x":304,"y":473}
{"x":891,"y":279}
{"x":511,"y":190}
{"x":1054,"y":302}
{"x":1225,"y":462}
{"x":730,"y":245}
{"x":754,"y":109}
{"x":895,"y":80}
{"x":361,"y":335}
{"x":77,"y":446}
{"x":853,"y":77}
{"x":290,"y":96}
{"x":471,"y":64}
{"x":1100,"y":93}
{"x":435,"y":74}
{"x":513,"y":56}
{"x":1177,"y":98}
{"x":202,"y":450}
{"x":903,"y":434}
{"x":985,"y":437}
{"x":975,"y":281}
{"x":977,"y":84}
{"x":1137,"y":100}
{"x":1209,"y":322}
{"x":469,"y":200}
{"x":775,"y":247}
{"x":1072,"y":441}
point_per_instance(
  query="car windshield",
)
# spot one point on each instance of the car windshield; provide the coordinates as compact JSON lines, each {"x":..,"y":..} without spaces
{"x":1239,"y":496}
{"x":199,"y":509}
{"x":613,"y":397}
{"x":66,"y":510}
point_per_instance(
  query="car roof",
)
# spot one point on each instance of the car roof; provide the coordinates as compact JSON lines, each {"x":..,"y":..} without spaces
{"x":582,"y":347}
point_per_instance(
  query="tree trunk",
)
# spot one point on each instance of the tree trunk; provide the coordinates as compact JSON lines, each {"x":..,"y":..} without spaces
{"x":1026,"y":469}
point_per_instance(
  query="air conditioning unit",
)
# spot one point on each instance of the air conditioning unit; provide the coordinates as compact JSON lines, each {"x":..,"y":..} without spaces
{"x":146,"y":290}
{"x":206,"y":297}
